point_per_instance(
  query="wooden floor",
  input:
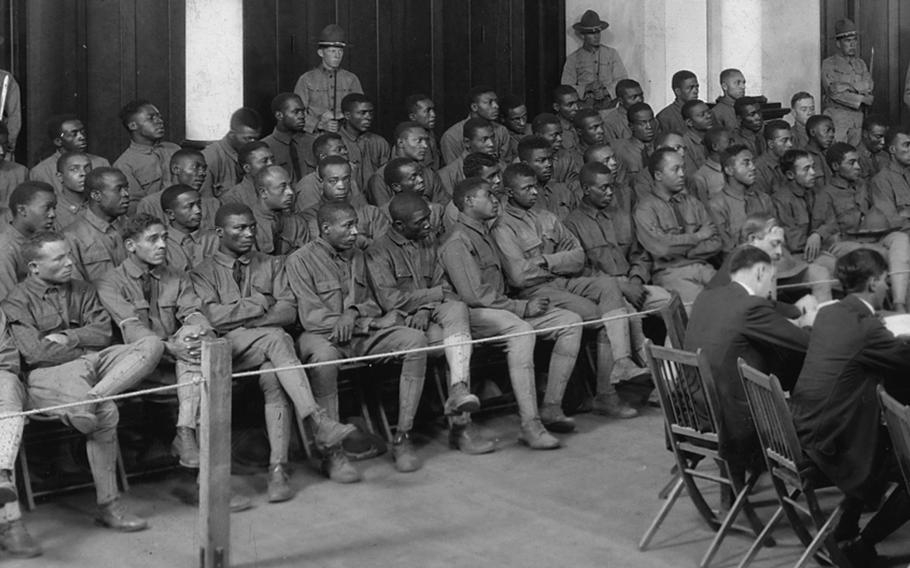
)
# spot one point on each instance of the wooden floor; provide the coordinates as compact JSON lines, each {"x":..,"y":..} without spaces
{"x":585,"y":505}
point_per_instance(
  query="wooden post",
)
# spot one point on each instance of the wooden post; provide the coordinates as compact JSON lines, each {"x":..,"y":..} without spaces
{"x":214,"y":523}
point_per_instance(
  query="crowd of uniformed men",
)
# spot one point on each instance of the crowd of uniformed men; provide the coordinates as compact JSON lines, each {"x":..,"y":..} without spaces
{"x":323,"y":240}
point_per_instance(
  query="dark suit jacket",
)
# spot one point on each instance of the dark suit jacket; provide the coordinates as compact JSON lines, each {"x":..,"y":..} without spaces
{"x":835,"y":406}
{"x":727,"y":323}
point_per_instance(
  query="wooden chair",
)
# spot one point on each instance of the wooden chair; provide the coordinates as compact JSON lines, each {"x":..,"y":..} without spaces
{"x":688,"y":399}
{"x":794,"y":476}
{"x":897,"y":417}
{"x":675,"y":320}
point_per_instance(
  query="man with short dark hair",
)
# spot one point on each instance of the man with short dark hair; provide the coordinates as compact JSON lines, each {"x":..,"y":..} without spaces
{"x":278,"y":231}
{"x":685,"y":88}
{"x":553,"y":196}
{"x":890,"y":188}
{"x":290,"y":143}
{"x":254,"y":156}
{"x":406,"y":176}
{"x":328,"y":277}
{"x":67,"y":133}
{"x":778,"y":140}
{"x":751,"y":125}
{"x":412,"y":141}
{"x":94,"y":239}
{"x":593,"y":69}
{"x":309,"y":190}
{"x":739,"y":198}
{"x":514,"y":116}
{"x":548,"y":126}
{"x":188,"y":167}
{"x":72,"y":201}
{"x":566,"y":106}
{"x":633,"y":152}
{"x":479,"y":136}
{"x":32,"y":207}
{"x":188,"y":244}
{"x":820,"y":129}
{"x":699,"y":119}
{"x":366,"y":150}
{"x":146,"y":161}
{"x":709,"y":178}
{"x":616,"y":119}
{"x":874,"y":139}
{"x":802,"y":107}
{"x":482,"y":103}
{"x":733,"y":85}
{"x":422,"y":110}
{"x":847,"y":83}
{"x":485,"y":167}
{"x":224,"y":167}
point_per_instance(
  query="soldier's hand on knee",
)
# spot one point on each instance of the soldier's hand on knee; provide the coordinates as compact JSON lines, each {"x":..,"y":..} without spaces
{"x":420,"y":320}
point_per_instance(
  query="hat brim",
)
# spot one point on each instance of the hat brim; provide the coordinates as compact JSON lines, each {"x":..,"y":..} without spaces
{"x":845,"y":35}
{"x":332,"y":44}
{"x":590,"y":29}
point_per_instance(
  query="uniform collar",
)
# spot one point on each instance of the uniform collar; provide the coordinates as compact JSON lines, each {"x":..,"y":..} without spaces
{"x":516,"y":211}
{"x":474,"y":224}
{"x":336,"y":254}
{"x":136,"y":271}
{"x":227,"y":260}
{"x":590,"y":210}
{"x":40,"y":288}
{"x":399,"y":239}
{"x":143,"y":148}
{"x":97,"y":222}
{"x":227,"y":148}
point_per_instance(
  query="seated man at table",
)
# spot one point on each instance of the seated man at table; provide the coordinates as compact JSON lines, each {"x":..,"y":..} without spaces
{"x":836,"y":408}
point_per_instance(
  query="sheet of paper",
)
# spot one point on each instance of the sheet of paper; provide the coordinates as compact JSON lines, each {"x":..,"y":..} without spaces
{"x":898,"y":324}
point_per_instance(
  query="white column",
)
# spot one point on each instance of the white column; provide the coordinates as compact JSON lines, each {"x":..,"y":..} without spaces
{"x":735,"y":37}
{"x":214,"y":66}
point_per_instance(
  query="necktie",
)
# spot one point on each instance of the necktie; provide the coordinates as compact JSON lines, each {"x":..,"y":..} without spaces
{"x":295,"y":159}
{"x":147,"y":287}
{"x":238,"y":274}
{"x":676,"y":205}
{"x":163,"y":164}
{"x":277,"y":230}
{"x":238,"y":173}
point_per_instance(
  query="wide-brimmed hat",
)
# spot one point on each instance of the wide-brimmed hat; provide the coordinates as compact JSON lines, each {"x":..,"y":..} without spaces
{"x":874,"y":222}
{"x":789,"y":266}
{"x":844,"y":28}
{"x":590,"y":23}
{"x":332,"y":36}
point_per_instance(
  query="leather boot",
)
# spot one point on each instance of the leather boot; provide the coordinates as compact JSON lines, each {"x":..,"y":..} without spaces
{"x":279,"y":490}
{"x":185,"y":447}
{"x":624,"y":368}
{"x":114,"y":515}
{"x":554,"y":420}
{"x":461,"y":400}
{"x":536,"y":437}
{"x":609,"y":404}
{"x":8,"y":492}
{"x":328,"y":432}
{"x":466,"y":438}
{"x":15,"y":540}
{"x":335,"y":466}
{"x":406,"y":459}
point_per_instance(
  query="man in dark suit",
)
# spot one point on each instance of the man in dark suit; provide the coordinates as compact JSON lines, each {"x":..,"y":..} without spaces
{"x":738,"y":320}
{"x":835,"y":406}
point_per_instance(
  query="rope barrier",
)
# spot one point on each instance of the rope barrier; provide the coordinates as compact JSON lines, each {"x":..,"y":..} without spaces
{"x":831,"y":281}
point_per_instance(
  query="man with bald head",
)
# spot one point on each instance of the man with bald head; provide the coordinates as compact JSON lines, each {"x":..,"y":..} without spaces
{"x":32,"y":207}
{"x":406,"y":277}
{"x":335,"y":184}
{"x":188,"y":167}
{"x":225,"y":170}
{"x":94,"y":239}
{"x":279,"y":232}
{"x":253,"y":156}
{"x":411,"y":141}
{"x":328,"y":277}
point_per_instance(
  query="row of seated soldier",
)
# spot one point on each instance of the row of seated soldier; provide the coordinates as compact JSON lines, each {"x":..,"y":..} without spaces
{"x":306,"y":247}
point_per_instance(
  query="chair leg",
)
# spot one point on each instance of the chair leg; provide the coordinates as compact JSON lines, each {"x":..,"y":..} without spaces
{"x":25,"y":477}
{"x":662,"y":514}
{"x":304,"y":439}
{"x":121,"y":470}
{"x":823,"y":537}
{"x":760,"y":539}
{"x":738,"y":503}
{"x":674,"y":477}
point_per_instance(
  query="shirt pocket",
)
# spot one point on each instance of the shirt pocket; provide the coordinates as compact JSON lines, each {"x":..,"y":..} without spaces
{"x":330,"y":292}
{"x":96,"y":260}
{"x":48,"y":322}
{"x":147,"y":177}
{"x":532,"y":247}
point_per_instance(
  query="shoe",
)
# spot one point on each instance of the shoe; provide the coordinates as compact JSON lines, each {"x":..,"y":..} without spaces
{"x":239,"y":503}
{"x":466,"y":438}
{"x":461,"y":400}
{"x":114,"y":515}
{"x":328,"y":432}
{"x":335,"y":466}
{"x":613,"y":406}
{"x":536,"y":437}
{"x":8,"y":492}
{"x":626,"y":370}
{"x":15,"y":540}
{"x":189,"y":495}
{"x":554,"y":420}
{"x":859,"y":552}
{"x":85,"y":422}
{"x":406,"y":459}
{"x":279,"y":490}
{"x":185,"y":447}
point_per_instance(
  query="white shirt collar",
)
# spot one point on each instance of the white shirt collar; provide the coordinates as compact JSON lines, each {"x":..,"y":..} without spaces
{"x":748,"y":289}
{"x":868,"y":305}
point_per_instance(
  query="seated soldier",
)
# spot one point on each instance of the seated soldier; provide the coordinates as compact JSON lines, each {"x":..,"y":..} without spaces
{"x":675,"y":228}
{"x":32,"y":206}
{"x":188,"y":167}
{"x":739,"y":198}
{"x":643,"y":181}
{"x":624,"y":195}
{"x":411,"y":141}
{"x":548,"y":127}
{"x":874,"y":139}
{"x":328,"y":279}
{"x":245,"y":296}
{"x":253,"y":156}
{"x":485,"y":167}
{"x":685,"y":88}
{"x":845,"y":217}
{"x":890,"y":187}
{"x":308,"y":191}
{"x":406,"y":277}
{"x":187,"y":243}
{"x":739,"y":321}
{"x":94,"y":238}
{"x":633,"y":152}
{"x":589,"y":130}
{"x":279,"y":232}
{"x":335,"y":185}
{"x":67,"y":133}
{"x":146,"y":161}
{"x":566,"y":105}
{"x":225,"y":170}
{"x":11,"y":173}
{"x":405,"y":175}
{"x":836,"y":408}
{"x":72,"y":202}
{"x":709,"y":178}
{"x":366,"y":149}
{"x":543,"y":259}
{"x":802,"y":107}
{"x":616,"y":119}
{"x":14,"y":537}
{"x":699,"y":120}
{"x":71,"y":359}
{"x":473,"y":266}
{"x":514,"y":116}
{"x":483,"y":103}
{"x":820,"y":129}
{"x":555,"y":197}
{"x":793,"y":202}
{"x":289,"y":142}
{"x":751,"y":125}
{"x":479,"y":137}
{"x":422,"y":110}
{"x":733,"y":85}
{"x":767,"y":166}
